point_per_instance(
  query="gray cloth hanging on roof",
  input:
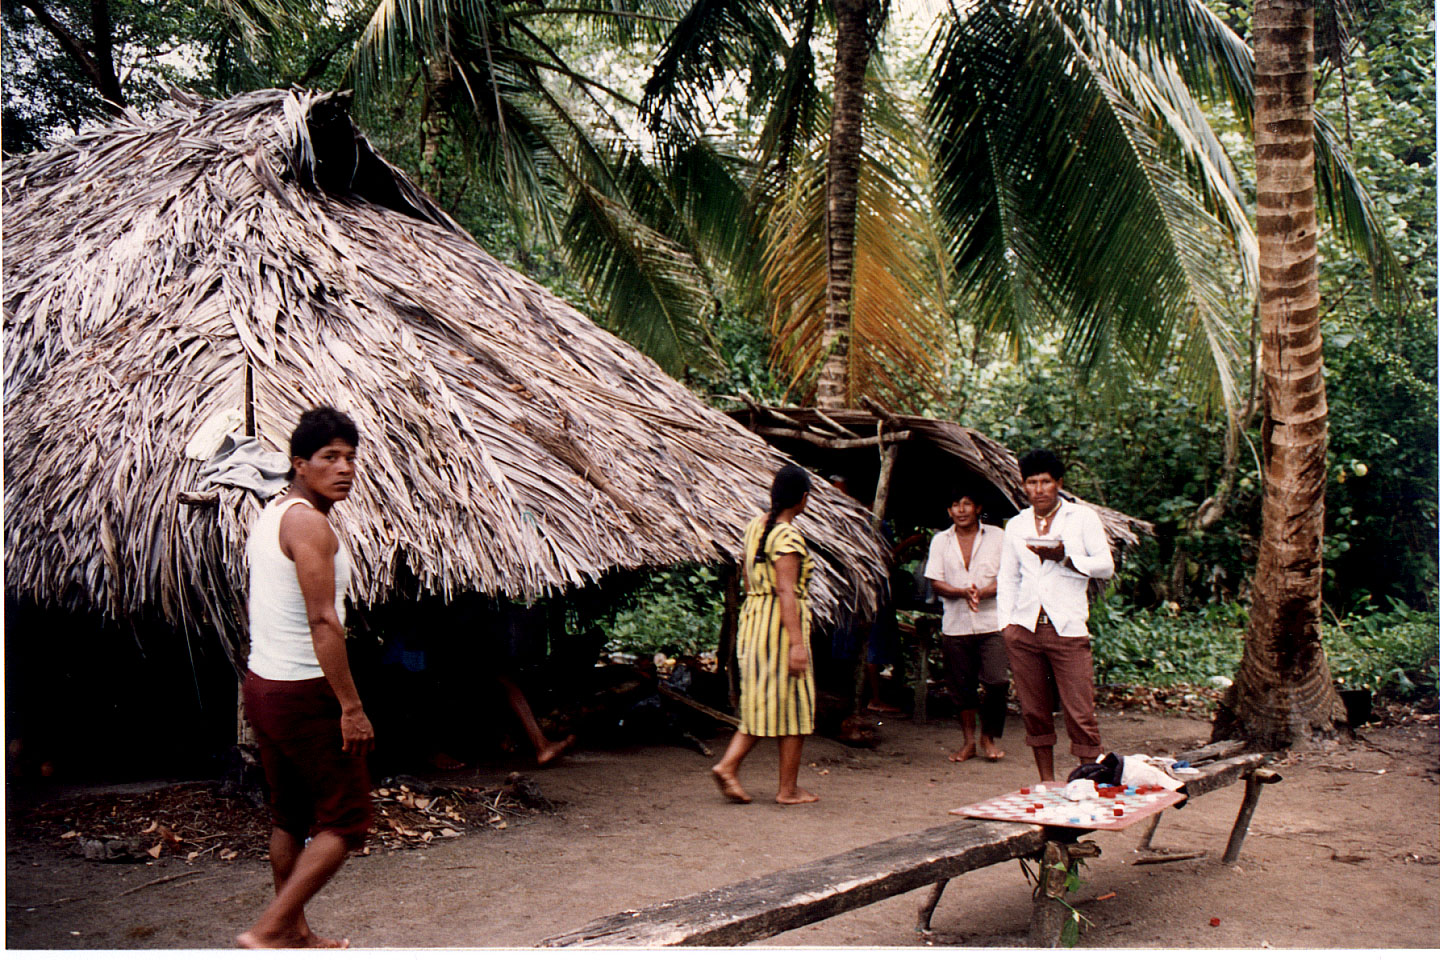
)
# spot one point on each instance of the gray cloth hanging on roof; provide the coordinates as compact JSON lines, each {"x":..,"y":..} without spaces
{"x":242,"y":462}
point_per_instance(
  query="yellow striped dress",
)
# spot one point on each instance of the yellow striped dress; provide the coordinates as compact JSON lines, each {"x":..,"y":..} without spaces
{"x":772,"y":702}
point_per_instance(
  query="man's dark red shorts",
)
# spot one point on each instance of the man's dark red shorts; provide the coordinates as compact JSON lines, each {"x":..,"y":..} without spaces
{"x":314,"y":786}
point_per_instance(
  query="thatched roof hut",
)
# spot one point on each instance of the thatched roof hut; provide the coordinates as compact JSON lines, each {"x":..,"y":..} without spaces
{"x":257,"y":256}
{"x":927,"y":456}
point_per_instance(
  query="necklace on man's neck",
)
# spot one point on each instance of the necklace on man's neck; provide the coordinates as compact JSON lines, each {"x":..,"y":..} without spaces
{"x":1042,"y":524}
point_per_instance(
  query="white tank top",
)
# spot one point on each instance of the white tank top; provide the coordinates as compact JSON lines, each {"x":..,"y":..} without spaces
{"x":281,"y":647}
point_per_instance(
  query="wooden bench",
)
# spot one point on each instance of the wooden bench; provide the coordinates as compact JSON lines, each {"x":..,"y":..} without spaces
{"x":766,"y":906}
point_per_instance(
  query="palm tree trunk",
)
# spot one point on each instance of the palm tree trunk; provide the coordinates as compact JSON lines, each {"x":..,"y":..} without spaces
{"x":852,"y":54}
{"x":1283,"y":692}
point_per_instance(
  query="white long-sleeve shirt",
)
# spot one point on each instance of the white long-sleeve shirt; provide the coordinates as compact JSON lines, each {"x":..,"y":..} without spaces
{"x":1027,"y":584}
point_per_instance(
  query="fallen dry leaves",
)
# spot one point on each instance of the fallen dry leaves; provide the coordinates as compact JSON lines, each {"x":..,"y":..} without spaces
{"x":194,"y":822}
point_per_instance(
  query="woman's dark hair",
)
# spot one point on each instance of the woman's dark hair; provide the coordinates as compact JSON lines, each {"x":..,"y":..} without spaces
{"x":1041,"y":461}
{"x":789,"y":488}
{"x":318,"y":427}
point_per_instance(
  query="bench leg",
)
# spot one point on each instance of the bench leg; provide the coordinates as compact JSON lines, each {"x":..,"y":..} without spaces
{"x":1050,"y":913}
{"x":1150,"y":832}
{"x":922,"y":921}
{"x":1253,"y":787}
{"x":1047,"y":915}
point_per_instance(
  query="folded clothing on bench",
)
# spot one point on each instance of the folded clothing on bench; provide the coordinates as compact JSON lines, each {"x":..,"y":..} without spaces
{"x":1133,"y":770}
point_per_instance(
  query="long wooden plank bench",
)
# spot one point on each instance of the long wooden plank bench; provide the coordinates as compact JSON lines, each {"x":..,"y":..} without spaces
{"x":765,"y":906}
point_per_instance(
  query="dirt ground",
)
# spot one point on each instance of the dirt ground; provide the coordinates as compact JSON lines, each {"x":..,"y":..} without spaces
{"x":1342,"y":853}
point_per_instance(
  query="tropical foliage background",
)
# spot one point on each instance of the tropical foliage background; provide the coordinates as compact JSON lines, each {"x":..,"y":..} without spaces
{"x":1053,"y":239}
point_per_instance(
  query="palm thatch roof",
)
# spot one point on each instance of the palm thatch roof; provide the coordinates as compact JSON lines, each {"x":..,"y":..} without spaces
{"x":930,"y":457}
{"x":256,"y":255}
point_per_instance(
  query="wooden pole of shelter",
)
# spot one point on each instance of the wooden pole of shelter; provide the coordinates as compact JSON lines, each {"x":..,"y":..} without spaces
{"x":888,"y":452}
{"x":249,"y":399}
{"x":729,"y":627}
{"x":923,"y":633}
{"x":877,"y":519}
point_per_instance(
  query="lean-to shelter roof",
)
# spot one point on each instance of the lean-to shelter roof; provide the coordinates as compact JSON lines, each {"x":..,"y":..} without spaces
{"x":256,"y":255}
{"x":931,"y":456}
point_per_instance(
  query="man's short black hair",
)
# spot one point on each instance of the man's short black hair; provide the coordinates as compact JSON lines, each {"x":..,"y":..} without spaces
{"x":1041,"y":461}
{"x":964,"y":490}
{"x":318,"y":427}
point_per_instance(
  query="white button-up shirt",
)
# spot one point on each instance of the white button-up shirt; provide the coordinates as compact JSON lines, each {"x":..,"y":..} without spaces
{"x":947,"y":564}
{"x":1027,"y":584}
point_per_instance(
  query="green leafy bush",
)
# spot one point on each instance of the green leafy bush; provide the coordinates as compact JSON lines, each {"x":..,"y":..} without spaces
{"x":674,"y":612}
{"x":1167,"y":645}
{"x":1391,"y":653}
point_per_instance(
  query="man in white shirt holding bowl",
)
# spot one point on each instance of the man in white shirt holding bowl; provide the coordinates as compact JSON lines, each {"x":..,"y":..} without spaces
{"x":1052,"y":550}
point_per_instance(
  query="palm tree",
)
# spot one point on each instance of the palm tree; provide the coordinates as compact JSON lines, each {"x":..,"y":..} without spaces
{"x":1283,"y":691}
{"x":855,"y":31}
{"x":1081,"y":186}
{"x":898,"y":305}
{"x":641,"y":225}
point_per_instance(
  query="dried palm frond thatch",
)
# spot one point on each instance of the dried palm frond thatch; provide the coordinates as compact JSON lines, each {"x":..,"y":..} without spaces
{"x":255,"y":255}
{"x":932,"y":456}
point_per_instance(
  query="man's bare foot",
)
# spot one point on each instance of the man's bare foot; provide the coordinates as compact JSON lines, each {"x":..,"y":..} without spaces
{"x":443,"y":761}
{"x":799,"y":796}
{"x":553,"y":749}
{"x":327,"y":943}
{"x":250,"y":940}
{"x":989,"y":750}
{"x":966,"y":752}
{"x":730,"y":788}
{"x":316,"y":942}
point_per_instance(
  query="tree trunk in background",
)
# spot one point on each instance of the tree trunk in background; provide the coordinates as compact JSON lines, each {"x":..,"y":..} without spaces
{"x":96,"y":58}
{"x":438,"y":80}
{"x":1283,"y":692}
{"x":852,"y":54}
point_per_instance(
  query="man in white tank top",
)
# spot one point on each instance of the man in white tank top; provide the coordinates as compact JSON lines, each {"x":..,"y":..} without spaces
{"x":299,"y":694}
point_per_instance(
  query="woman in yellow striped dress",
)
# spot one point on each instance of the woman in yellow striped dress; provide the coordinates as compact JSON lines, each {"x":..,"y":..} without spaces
{"x":777,"y":681}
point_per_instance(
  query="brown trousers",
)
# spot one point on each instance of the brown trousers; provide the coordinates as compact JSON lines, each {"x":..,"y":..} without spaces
{"x":1034,"y":659}
{"x":314,"y":785}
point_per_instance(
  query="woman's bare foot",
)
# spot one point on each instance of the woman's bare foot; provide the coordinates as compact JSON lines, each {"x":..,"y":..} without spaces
{"x":884,"y":709}
{"x":553,"y":749}
{"x":989,"y":751}
{"x":730,"y":788}
{"x":799,"y":796}
{"x":966,"y":752}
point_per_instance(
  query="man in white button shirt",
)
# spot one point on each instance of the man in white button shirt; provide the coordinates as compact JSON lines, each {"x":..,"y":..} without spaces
{"x":963,"y":564}
{"x":1052,"y":550}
